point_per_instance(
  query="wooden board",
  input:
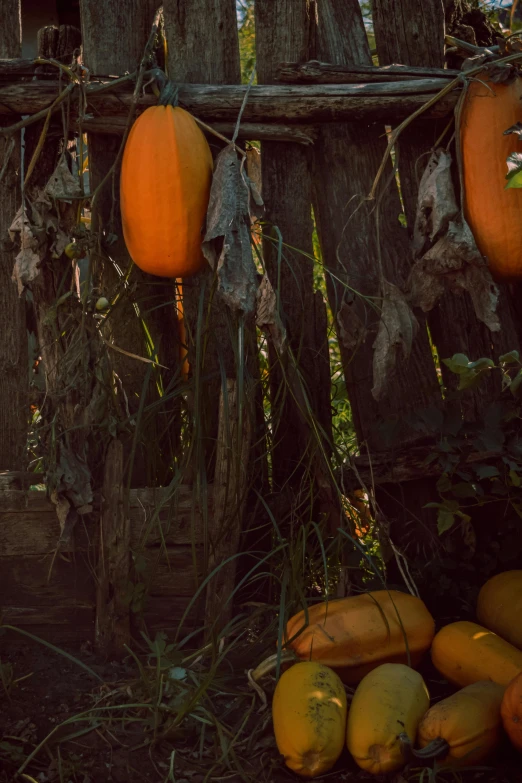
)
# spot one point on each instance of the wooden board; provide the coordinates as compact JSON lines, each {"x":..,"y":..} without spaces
{"x":60,"y":607}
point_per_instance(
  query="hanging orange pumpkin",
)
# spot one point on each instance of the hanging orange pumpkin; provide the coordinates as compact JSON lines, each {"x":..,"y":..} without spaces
{"x":492,"y":212}
{"x":164,"y":191}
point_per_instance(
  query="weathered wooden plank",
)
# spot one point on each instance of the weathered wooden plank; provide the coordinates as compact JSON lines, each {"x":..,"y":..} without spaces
{"x":359,"y":251}
{"x":283,"y":31}
{"x":55,"y":623}
{"x":14,"y":380}
{"x":11,"y":30}
{"x":274,"y":103}
{"x":35,"y":580}
{"x":230,"y":488}
{"x":169,"y":571}
{"x":164,"y":614}
{"x":113,"y":43}
{"x":36,"y":532}
{"x":250,"y":131}
{"x":112,"y":631}
{"x":318,"y":72}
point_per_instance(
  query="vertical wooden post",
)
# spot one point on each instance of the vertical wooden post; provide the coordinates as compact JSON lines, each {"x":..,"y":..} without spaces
{"x":347,"y":156}
{"x":114,"y":39}
{"x":230,"y":487}
{"x":354,"y":245}
{"x":112,"y":630}
{"x":14,"y":370}
{"x":413,"y":33}
{"x":283,"y":33}
{"x":203,"y":48}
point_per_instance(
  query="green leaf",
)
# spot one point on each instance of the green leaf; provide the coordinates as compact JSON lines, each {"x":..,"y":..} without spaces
{"x":514,"y":386}
{"x":463,"y":490}
{"x":471,"y":379}
{"x":486,"y":471}
{"x":445,"y":520}
{"x":514,"y":174}
{"x":481,"y":364}
{"x":458,"y":363}
{"x":515,"y":478}
{"x":513,"y":357}
{"x":444,"y":483}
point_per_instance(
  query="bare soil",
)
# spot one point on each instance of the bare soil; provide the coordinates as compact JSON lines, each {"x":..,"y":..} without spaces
{"x":55,"y":689}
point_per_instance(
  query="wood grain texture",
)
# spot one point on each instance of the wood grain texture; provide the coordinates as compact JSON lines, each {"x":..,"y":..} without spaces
{"x":413,"y":33}
{"x":113,"y":43}
{"x":300,"y":134}
{"x":347,"y":157}
{"x":36,"y":580}
{"x":112,"y":631}
{"x":203,"y":44}
{"x":266,"y":104}
{"x":14,"y":369}
{"x":283,"y":29}
{"x":409,"y":32}
{"x":316,"y":72}
{"x":230,"y":490}
{"x":11,"y":29}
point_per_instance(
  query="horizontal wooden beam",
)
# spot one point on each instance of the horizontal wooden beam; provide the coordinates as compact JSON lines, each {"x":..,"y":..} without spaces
{"x":279,"y":104}
{"x":255,"y":131}
{"x":315,"y":72}
{"x":382,"y":469}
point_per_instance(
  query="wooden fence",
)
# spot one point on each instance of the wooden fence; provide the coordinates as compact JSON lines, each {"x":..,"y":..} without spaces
{"x":320,"y":108}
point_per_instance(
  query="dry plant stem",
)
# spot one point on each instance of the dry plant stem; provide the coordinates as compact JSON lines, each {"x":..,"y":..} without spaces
{"x":39,"y":147}
{"x":431,"y":102}
{"x":130,"y":117}
{"x":39,"y":115}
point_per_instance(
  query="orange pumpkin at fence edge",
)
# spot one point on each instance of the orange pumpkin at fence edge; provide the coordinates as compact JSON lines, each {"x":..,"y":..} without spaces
{"x":165,"y":183}
{"x":491,"y":211}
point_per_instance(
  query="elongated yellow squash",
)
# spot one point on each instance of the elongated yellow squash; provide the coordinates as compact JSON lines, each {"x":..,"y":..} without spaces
{"x":465,"y":652}
{"x":466,"y":727}
{"x":309,"y":716}
{"x":499,"y":606}
{"x":358,"y":633}
{"x":388,"y":702}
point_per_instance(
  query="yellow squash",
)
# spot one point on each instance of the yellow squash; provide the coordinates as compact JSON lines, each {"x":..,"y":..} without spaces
{"x":464,"y":728}
{"x":388,"y":702}
{"x":465,"y":652}
{"x":309,"y":716}
{"x":356,"y":634}
{"x":499,"y":606}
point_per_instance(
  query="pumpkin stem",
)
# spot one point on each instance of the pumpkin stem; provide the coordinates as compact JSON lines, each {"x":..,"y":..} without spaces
{"x":436,"y":749}
{"x":168,"y":95}
{"x":270,"y":663}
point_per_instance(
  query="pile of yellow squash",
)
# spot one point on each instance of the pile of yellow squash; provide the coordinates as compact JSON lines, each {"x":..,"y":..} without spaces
{"x":374,"y":641}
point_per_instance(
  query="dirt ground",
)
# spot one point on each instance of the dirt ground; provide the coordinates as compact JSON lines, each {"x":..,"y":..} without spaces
{"x":55,"y":689}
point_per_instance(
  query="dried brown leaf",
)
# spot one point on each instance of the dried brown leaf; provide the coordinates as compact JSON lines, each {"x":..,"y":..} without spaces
{"x":267,"y":317}
{"x":26,"y":266}
{"x":397,"y":329}
{"x":436,"y":204}
{"x":351,"y":328}
{"x":227,"y":245}
{"x":62,"y":184}
{"x":455,"y":263}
